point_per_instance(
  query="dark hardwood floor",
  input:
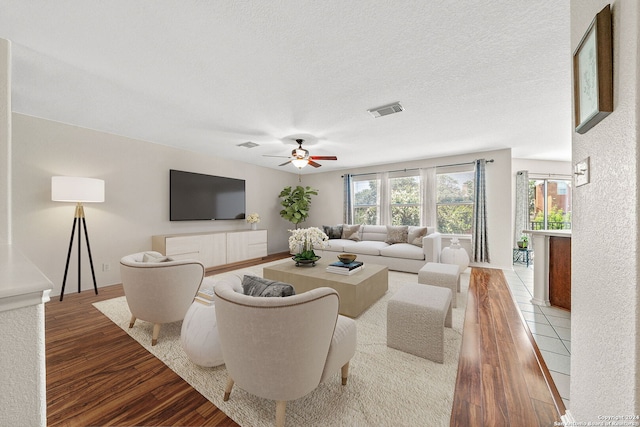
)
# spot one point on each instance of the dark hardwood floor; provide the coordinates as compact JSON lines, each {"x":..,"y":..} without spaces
{"x":98,"y":376}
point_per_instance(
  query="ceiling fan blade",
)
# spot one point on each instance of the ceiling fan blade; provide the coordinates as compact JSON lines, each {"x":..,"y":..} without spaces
{"x":323,"y":157}
{"x":285,"y":163}
{"x":269,"y":155}
{"x":314,"y":164}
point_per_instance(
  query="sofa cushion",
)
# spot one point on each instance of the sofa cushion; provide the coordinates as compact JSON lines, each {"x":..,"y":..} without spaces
{"x":375,"y":233}
{"x":259,"y":287}
{"x":337,"y":245}
{"x":366,"y":247}
{"x":333,"y":231}
{"x":403,"y":250}
{"x":351,"y":232}
{"x":415,"y":235}
{"x":397,"y":234}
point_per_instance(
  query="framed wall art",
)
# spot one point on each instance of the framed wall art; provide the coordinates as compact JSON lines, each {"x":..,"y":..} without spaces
{"x":593,"y":73}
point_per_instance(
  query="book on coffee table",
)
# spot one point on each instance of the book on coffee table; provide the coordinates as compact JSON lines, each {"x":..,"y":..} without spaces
{"x":342,"y":268}
{"x":203,"y":301}
{"x":206,"y":293}
{"x":350,"y":266}
{"x":342,"y":271}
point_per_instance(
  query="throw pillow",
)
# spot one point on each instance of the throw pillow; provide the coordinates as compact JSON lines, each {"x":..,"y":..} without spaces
{"x":333,"y":232}
{"x":351,"y":232}
{"x":416,"y":234}
{"x":260,"y":287}
{"x":397,"y":234}
{"x":148,"y":257}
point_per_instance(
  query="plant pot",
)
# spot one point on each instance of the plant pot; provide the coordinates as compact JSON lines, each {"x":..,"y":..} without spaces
{"x":523,"y":245}
{"x":307,"y":262}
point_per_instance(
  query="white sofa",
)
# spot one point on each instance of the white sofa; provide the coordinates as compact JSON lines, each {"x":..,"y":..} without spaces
{"x":372,"y":247}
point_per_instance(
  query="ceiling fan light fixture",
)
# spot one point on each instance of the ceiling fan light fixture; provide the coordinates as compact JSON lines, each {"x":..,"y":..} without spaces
{"x":300,"y":157}
{"x":300,"y":163}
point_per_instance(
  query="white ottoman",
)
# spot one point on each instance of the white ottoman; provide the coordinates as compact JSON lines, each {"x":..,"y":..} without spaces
{"x":444,"y":275}
{"x":416,"y":317}
{"x":199,"y":335}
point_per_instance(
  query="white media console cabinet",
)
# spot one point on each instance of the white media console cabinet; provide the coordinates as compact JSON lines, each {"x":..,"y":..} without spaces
{"x":215,"y":248}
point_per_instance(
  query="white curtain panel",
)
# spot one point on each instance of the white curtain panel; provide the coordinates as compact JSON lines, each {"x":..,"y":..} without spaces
{"x":480,"y":239}
{"x":383,"y":200}
{"x":428,"y":192}
{"x":522,"y":205}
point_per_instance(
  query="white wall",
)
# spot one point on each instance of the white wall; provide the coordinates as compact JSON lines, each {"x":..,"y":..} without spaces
{"x":22,"y":367}
{"x":604,"y":300}
{"x":327,"y":206}
{"x":5,"y":140}
{"x":136,"y":175}
{"x":22,"y":353}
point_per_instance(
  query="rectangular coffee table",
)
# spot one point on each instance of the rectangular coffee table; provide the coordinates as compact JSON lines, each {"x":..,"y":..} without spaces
{"x":357,"y":292}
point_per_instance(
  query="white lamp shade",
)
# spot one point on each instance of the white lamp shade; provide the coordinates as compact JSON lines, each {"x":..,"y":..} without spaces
{"x":76,"y":189}
{"x":300,"y":163}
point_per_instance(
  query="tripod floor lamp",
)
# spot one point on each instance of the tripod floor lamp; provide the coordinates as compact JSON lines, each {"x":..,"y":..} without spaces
{"x":77,"y":190}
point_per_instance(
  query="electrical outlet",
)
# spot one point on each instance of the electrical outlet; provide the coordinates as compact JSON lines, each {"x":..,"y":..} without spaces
{"x":106,"y":266}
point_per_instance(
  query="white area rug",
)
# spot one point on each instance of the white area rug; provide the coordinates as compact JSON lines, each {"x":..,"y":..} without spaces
{"x":386,"y":387}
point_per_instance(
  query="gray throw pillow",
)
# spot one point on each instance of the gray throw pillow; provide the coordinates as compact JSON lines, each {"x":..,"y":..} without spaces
{"x":333,"y":232}
{"x":259,"y":287}
{"x":397,"y":234}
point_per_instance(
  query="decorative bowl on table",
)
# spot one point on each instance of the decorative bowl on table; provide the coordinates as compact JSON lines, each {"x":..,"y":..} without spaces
{"x":347,"y":258}
{"x":305,"y":261}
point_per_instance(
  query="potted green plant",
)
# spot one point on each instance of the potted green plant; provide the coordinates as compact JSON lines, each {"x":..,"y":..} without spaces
{"x":523,"y":243}
{"x":296,"y":202}
{"x":302,"y":243}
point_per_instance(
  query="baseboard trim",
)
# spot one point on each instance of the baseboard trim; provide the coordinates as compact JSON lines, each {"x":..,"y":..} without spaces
{"x":538,"y":301}
{"x":567,"y":419}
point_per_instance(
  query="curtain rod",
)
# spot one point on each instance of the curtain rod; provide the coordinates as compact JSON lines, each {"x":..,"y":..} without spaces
{"x":416,"y":169}
{"x":549,"y":175}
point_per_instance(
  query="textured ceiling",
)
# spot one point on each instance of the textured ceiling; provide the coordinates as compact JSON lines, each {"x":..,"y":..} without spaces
{"x":208,"y":75}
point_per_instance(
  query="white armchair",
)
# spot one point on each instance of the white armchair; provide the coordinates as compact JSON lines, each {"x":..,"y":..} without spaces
{"x":159,"y":292}
{"x":282,"y":348}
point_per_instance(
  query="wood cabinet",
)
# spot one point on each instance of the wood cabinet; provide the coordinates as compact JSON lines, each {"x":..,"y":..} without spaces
{"x":560,"y":272}
{"x":246,"y":245}
{"x":552,"y":267}
{"x":213,"y":249}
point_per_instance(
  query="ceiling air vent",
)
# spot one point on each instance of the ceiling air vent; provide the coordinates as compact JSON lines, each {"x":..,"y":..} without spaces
{"x":248,"y":144}
{"x":386,"y":110}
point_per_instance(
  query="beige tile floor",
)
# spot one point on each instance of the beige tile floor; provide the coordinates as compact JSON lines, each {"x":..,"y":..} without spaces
{"x":551,"y":327}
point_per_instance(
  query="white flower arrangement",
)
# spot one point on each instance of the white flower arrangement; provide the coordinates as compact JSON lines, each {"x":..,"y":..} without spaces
{"x":253,"y":218}
{"x":303,"y":240}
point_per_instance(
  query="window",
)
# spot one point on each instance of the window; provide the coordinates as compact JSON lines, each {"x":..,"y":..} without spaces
{"x":405,"y":200}
{"x":366,"y":209}
{"x":395,"y":198}
{"x":550,"y":204}
{"x":454,"y":202}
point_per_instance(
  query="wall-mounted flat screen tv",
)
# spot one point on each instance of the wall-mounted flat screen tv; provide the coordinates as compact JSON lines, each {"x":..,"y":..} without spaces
{"x":195,"y":196}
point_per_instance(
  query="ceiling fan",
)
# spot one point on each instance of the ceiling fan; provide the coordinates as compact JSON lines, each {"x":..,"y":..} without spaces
{"x":300,"y":157}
